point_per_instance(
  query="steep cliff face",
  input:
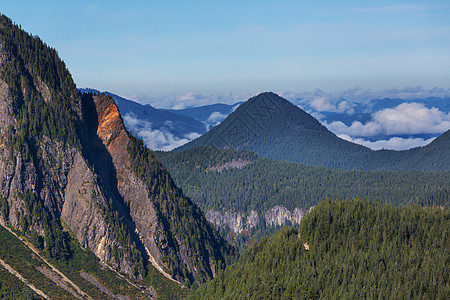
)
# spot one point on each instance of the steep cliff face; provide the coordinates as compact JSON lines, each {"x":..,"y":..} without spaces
{"x":237,"y":222}
{"x":280,"y":215}
{"x":130,"y":192}
{"x":233,"y":221}
{"x":66,"y":167}
{"x":155,"y":209}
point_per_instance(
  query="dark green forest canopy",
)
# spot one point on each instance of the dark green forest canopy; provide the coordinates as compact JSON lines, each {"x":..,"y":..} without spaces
{"x":263,"y":183}
{"x":31,"y":70}
{"x":357,"y":250}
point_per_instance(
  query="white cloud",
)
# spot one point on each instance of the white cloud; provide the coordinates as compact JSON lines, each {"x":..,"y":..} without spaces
{"x":356,"y":129}
{"x":214,"y":119}
{"x":156,"y":139}
{"x":316,"y":115}
{"x":322,"y":104}
{"x":189,"y":99}
{"x":192,"y":136}
{"x":394,"y":143}
{"x":345,"y":106}
{"x":412,"y":118}
{"x":336,"y":101}
{"x":406,"y":118}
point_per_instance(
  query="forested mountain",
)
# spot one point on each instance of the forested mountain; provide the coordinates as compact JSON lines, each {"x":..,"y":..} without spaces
{"x":247,"y":195}
{"x":72,"y":176}
{"x":275,"y":128}
{"x":345,"y":250}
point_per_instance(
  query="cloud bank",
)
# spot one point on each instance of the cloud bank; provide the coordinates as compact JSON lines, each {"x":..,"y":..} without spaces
{"x":404,"y":119}
{"x":394,"y":143}
{"x":317,"y":99}
{"x":156,"y":139}
{"x":324,"y":104}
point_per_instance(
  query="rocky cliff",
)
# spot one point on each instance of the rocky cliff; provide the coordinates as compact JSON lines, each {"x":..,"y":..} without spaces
{"x":143,"y":207}
{"x":68,"y":166}
{"x":238,"y":222}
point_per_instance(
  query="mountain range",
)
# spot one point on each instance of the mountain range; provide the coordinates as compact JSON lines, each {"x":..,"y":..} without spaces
{"x":179,"y":125}
{"x":88,"y":211}
{"x":275,"y":128}
{"x":382,"y":123}
{"x":165,"y":129}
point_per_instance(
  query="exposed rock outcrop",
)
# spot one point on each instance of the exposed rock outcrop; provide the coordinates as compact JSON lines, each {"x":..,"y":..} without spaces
{"x":237,"y":222}
{"x":132,"y":190}
{"x":234,"y":164}
{"x":230,"y":220}
{"x":139,"y":204}
{"x":280,"y":215}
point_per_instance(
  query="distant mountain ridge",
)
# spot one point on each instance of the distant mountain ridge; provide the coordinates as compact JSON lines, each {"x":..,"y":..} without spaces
{"x":273,"y":127}
{"x":179,"y":125}
{"x":210,"y":115}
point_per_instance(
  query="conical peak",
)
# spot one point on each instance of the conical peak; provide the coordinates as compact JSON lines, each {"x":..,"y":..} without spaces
{"x":266,"y":105}
{"x":269,"y":98}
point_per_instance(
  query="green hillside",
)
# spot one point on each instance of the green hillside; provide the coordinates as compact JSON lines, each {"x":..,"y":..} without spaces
{"x":263,"y":183}
{"x":357,"y":250}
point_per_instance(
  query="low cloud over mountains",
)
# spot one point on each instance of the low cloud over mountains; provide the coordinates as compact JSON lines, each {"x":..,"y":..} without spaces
{"x":406,"y":119}
{"x":160,"y":138}
{"x":396,"y":118}
{"x":394,"y":143}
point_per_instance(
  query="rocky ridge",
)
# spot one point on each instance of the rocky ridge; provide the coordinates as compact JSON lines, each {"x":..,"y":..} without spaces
{"x":65,"y":169}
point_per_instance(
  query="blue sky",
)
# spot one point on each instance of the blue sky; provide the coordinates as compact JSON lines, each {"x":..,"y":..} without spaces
{"x":164,"y":47}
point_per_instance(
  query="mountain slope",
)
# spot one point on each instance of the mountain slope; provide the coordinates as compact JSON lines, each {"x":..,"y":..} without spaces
{"x":70,"y":170}
{"x":349,"y":250}
{"x":275,"y":128}
{"x":156,"y":206}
